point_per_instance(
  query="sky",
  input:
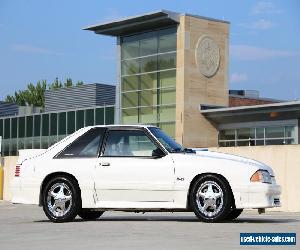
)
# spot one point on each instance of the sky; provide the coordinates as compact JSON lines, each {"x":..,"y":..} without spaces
{"x":42,"y":39}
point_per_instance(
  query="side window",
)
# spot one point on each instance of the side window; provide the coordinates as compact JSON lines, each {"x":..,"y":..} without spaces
{"x":129,"y":143}
{"x":86,"y":145}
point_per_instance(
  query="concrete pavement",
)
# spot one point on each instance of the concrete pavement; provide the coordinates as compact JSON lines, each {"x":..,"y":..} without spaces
{"x":26,"y":227}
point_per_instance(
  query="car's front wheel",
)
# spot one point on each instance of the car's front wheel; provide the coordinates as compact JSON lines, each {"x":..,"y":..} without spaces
{"x":61,"y":199}
{"x":211,"y":198}
{"x":87,"y":214}
{"x":234,"y":213}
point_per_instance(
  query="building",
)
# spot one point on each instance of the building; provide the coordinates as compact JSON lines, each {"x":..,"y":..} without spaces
{"x":172,"y":73}
{"x":169,"y":63}
{"x":66,"y":110}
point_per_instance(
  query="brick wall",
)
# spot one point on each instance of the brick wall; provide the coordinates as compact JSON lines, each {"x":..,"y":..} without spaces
{"x":235,"y":101}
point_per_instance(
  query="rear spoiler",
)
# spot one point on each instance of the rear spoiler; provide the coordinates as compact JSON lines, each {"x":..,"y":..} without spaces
{"x":25,"y":154}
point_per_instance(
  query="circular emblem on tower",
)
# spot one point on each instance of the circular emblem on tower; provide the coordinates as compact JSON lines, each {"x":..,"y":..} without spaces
{"x":207,"y":56}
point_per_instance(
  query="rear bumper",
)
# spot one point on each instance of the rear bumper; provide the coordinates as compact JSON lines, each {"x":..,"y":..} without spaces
{"x":257,"y":195}
{"x":24,"y":193}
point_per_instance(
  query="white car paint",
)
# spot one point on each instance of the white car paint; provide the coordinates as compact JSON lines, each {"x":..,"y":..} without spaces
{"x":131,"y":183}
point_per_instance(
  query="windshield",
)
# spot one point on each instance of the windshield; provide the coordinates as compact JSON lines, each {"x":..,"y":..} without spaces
{"x":166,"y":141}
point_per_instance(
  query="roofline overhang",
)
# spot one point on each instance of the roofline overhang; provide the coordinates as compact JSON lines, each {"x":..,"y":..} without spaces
{"x":134,"y":24}
{"x":273,"y":111}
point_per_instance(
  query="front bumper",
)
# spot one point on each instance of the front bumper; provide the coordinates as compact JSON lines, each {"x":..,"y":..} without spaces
{"x":257,"y":195}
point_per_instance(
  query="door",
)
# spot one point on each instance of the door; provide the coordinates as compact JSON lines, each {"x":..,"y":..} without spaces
{"x":127,"y":171}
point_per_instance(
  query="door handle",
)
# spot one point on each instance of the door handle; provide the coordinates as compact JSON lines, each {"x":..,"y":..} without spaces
{"x":105,"y":164}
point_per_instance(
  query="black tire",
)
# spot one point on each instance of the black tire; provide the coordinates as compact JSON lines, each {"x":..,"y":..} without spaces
{"x":72,"y":204}
{"x":87,"y":214}
{"x":222,"y":203}
{"x":234,"y":213}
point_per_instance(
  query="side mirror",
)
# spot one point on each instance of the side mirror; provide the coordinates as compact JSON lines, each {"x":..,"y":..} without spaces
{"x":157,"y":153}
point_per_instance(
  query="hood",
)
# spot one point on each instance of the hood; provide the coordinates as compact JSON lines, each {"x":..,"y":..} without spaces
{"x":234,"y":158}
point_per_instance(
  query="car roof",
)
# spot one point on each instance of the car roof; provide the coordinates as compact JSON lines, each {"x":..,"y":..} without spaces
{"x":121,"y":126}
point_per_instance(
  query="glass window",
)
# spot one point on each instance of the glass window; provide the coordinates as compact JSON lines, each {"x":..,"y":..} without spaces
{"x":5,"y":147}
{"x":228,"y":134}
{"x":130,"y":83}
{"x":86,"y":145}
{"x":109,"y":115}
{"x":260,"y":142}
{"x":99,"y":116}
{"x":166,"y":114}
{"x":14,"y":128}
{"x":36,"y":143}
{"x":167,"y":40}
{"x":21,"y":143}
{"x":148,"y":114}
{"x":167,"y":61}
{"x":62,"y":123}
{"x":167,"y":96}
{"x":130,"y":49}
{"x":275,"y":132}
{"x":149,"y":81}
{"x":148,"y":44}
{"x":28,"y":143}
{"x":227,"y":143}
{"x":148,"y":64}
{"x":260,"y":132}
{"x":289,"y":131}
{"x":29,"y":126}
{"x":37,"y":125}
{"x":53,"y":124}
{"x":171,"y":145}
{"x":246,"y":143}
{"x":89,"y":117}
{"x":289,"y":141}
{"x":71,"y":122}
{"x":149,"y":52}
{"x":148,"y":97}
{"x":1,"y":128}
{"x":130,"y":116}
{"x":246,"y":133}
{"x":79,"y":119}
{"x":21,"y":127}
{"x":275,"y":142}
{"x":45,"y":125}
{"x":130,"y":99}
{"x":129,"y":143}
{"x":44,"y":142}
{"x":130,"y":67}
{"x":167,"y":78}
{"x":13,"y":147}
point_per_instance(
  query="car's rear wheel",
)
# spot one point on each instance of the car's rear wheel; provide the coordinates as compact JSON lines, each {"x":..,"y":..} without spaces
{"x":61,"y":199}
{"x":211,"y":198}
{"x":234,"y":213}
{"x":87,"y":214}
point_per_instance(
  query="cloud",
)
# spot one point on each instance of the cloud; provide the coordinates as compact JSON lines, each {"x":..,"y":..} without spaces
{"x":26,"y":48}
{"x":260,"y":24}
{"x":238,"y":77}
{"x":264,"y":7}
{"x":252,"y":53}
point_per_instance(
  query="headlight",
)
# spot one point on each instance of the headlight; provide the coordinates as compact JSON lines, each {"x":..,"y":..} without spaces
{"x":261,"y":176}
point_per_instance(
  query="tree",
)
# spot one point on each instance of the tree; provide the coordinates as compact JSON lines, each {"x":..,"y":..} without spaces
{"x":35,"y":94}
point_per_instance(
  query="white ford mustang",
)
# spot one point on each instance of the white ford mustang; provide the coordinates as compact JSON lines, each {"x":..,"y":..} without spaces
{"x":140,"y":168}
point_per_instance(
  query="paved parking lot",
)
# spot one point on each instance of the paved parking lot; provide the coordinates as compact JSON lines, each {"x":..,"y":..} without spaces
{"x":26,"y":227}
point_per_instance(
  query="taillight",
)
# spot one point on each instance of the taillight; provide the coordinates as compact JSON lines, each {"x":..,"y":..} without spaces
{"x":17,"y":171}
